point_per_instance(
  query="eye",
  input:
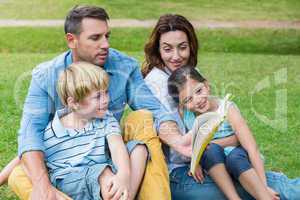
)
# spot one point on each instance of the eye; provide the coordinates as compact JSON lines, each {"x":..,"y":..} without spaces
{"x":167,"y":49}
{"x":198,"y":91}
{"x":187,"y":101}
{"x":107,"y":36}
{"x":183,"y":47}
{"x":98,"y":96}
{"x":94,"y":37}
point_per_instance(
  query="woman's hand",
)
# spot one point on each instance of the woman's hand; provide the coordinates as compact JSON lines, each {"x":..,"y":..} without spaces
{"x":274,"y":195}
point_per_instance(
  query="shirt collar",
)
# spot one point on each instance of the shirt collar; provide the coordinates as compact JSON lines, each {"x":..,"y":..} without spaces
{"x":168,"y":71}
{"x":60,"y":131}
{"x":68,"y":59}
{"x":57,"y":127}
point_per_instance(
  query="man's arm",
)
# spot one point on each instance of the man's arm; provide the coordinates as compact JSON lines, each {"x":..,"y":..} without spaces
{"x":36,"y":113}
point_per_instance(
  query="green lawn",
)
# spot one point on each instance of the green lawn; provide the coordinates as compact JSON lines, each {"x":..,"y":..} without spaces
{"x":235,"y":60}
{"x":228,"y":72}
{"x":51,"y":40}
{"x":193,"y":9}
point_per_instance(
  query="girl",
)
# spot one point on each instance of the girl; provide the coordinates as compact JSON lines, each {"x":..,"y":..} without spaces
{"x":192,"y":93}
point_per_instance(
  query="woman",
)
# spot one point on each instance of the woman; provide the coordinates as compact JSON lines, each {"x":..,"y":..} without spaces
{"x":173,"y":44}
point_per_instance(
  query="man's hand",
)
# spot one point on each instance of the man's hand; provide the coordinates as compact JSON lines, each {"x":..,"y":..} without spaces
{"x":47,"y":192}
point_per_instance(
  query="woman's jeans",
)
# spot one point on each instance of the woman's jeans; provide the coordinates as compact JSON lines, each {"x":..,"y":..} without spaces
{"x":184,"y":187}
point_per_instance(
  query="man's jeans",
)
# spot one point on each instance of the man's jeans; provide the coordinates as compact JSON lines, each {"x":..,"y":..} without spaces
{"x":184,"y":187}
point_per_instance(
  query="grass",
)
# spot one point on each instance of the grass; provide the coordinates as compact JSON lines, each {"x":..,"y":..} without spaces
{"x":227,"y":72}
{"x":235,"y":61}
{"x":51,"y":40}
{"x":193,"y":9}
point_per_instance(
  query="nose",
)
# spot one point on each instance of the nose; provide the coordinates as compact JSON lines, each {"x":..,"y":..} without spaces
{"x":103,"y":100}
{"x":104,"y":43}
{"x":176,"y":54}
{"x":198,"y":98}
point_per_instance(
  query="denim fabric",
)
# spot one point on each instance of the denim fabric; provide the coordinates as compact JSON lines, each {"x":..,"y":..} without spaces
{"x":126,"y":87}
{"x":289,"y":189}
{"x":184,"y":187}
{"x":237,"y":162}
{"x":83,"y":184}
{"x":213,"y":155}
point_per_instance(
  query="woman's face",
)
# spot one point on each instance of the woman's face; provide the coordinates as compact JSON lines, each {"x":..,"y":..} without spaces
{"x":174,"y":49}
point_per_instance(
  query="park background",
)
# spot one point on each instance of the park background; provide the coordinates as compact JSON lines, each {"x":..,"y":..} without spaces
{"x":258,"y":65}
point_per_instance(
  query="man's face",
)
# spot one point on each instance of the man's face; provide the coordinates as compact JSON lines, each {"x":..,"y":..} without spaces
{"x":92,"y":43}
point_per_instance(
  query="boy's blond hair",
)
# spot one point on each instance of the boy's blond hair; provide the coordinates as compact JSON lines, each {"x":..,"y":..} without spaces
{"x":79,"y":80}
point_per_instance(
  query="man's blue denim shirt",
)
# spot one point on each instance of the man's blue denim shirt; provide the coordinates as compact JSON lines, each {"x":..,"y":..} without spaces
{"x":126,"y":87}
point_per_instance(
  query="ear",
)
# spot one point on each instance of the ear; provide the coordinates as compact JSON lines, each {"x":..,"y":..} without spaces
{"x":71,"y":40}
{"x":72,"y":104}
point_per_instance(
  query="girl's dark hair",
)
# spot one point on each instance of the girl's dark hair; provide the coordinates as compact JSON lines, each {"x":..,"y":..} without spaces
{"x":178,"y":79}
{"x":167,"y":23}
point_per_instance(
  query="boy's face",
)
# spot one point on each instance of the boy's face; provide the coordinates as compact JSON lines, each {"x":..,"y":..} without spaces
{"x":94,"y":105}
{"x":194,"y":96}
{"x":92,"y":44}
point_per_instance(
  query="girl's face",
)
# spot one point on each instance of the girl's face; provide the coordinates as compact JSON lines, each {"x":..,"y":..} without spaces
{"x":94,"y":105}
{"x":194,"y":96}
{"x":174,"y":49}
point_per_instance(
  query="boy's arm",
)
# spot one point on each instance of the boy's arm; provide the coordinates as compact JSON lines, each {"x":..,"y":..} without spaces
{"x":120,"y":183}
{"x":119,"y":154}
{"x":247,"y":140}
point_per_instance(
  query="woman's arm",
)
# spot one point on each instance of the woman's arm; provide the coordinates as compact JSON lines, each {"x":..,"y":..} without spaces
{"x":227,"y":141}
{"x":247,"y":141}
{"x":169,"y":133}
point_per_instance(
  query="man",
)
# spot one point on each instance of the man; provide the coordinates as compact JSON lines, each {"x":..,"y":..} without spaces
{"x":87,"y":36}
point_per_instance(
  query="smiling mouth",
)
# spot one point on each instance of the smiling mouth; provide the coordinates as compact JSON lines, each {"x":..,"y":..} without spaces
{"x":201,"y":106}
{"x":177,"y":64}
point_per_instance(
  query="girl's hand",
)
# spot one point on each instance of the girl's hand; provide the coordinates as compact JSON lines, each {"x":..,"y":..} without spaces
{"x":274,"y":195}
{"x":199,"y":177}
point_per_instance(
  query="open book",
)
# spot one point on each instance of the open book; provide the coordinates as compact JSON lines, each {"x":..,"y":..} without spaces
{"x":203,"y":131}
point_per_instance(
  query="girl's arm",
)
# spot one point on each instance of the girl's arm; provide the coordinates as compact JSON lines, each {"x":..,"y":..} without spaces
{"x":247,"y":141}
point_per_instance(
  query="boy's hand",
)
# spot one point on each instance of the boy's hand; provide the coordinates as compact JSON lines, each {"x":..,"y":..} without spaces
{"x":199,"y":177}
{"x":119,"y":186}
